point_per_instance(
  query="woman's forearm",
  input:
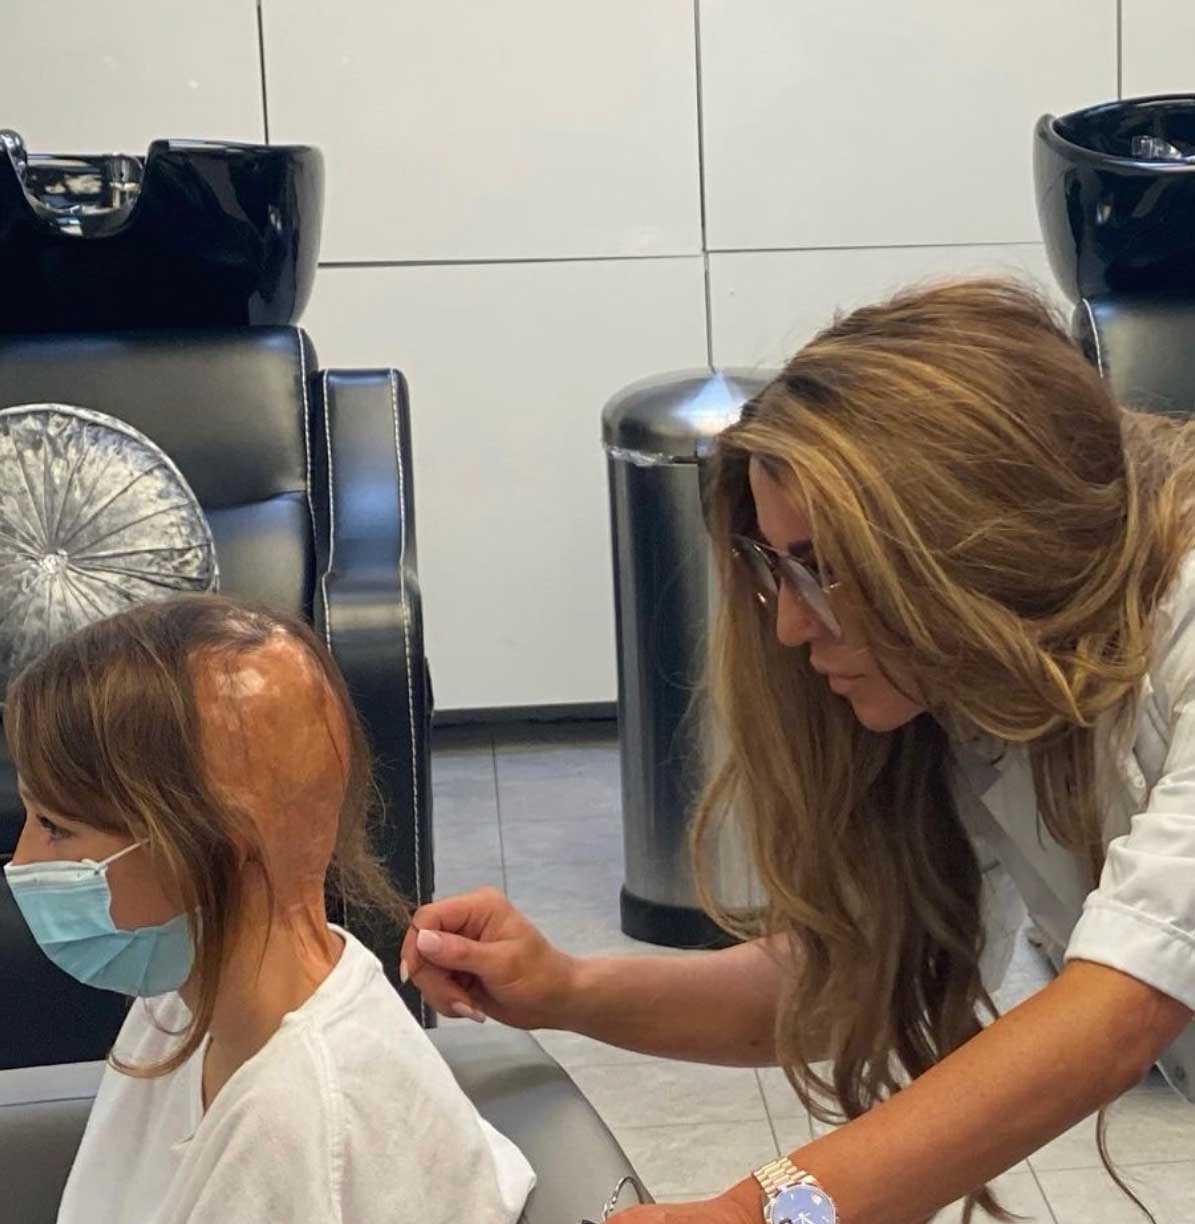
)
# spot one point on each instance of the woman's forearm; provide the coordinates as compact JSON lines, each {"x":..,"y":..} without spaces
{"x":721,"y":1009}
{"x":1045,"y":1066}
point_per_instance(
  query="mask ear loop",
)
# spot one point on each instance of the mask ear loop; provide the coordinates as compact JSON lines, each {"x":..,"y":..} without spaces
{"x":106,"y":863}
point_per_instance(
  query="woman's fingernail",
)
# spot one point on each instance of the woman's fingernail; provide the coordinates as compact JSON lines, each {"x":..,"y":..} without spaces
{"x":429,"y":942}
{"x":404,"y":974}
{"x":468,"y":1013}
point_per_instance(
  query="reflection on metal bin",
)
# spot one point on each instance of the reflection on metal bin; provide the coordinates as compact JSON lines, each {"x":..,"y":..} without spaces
{"x":655,"y":433}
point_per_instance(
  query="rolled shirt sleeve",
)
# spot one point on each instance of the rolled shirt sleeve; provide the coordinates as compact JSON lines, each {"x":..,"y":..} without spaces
{"x":1141,"y":918}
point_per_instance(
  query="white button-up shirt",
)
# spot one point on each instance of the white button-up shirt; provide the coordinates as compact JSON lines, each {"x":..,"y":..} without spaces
{"x":1141,"y":918}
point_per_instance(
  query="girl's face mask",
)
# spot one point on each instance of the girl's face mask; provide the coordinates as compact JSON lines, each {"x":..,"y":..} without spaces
{"x":67,"y":906}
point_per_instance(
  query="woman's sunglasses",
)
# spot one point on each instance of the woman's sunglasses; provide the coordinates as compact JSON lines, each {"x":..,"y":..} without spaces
{"x":770,"y":569}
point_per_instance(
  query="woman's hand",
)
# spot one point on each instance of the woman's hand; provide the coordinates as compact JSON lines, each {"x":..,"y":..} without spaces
{"x":475,"y":955}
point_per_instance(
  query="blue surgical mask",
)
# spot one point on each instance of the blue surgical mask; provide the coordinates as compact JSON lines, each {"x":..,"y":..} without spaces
{"x":68,"y":907}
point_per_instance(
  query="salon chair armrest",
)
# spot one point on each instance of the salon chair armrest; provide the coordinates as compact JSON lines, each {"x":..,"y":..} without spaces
{"x":521,"y":1090}
{"x":368,"y":608}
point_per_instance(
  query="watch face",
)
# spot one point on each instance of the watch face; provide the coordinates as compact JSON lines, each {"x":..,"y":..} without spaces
{"x":803,"y":1205}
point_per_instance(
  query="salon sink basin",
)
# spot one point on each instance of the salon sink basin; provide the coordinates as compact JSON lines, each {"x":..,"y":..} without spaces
{"x":1116,"y":196}
{"x":190,"y":234}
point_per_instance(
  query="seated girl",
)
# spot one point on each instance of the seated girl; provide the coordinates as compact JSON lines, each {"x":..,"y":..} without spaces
{"x":191,"y":772}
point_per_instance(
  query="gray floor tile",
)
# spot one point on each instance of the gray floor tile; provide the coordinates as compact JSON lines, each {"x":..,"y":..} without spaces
{"x":567,"y":801}
{"x":1019,"y":1193}
{"x":693,"y":1162}
{"x":467,"y":837}
{"x":535,"y":842}
{"x":455,"y":878}
{"x":782,"y":1100}
{"x":572,"y":1051}
{"x":546,"y":888}
{"x":1083,"y":1196}
{"x":665,"y":1093}
{"x":1147,"y":1125}
{"x":595,"y":931}
{"x":792,"y":1132}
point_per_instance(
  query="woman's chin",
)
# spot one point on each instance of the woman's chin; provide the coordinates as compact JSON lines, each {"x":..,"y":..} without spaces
{"x":881,"y":715}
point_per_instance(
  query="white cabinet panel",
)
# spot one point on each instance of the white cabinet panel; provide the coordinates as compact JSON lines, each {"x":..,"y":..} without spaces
{"x":509,"y":367}
{"x":527,"y":129}
{"x":1157,"y":47}
{"x":857,"y":123}
{"x":765,"y":305}
{"x":112,"y":75}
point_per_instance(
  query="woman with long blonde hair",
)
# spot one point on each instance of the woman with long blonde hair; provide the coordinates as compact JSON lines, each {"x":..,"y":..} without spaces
{"x":956,"y":644}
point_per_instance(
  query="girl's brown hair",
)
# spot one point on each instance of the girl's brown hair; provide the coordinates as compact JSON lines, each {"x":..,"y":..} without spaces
{"x":1004,"y":530}
{"x":105,"y":729}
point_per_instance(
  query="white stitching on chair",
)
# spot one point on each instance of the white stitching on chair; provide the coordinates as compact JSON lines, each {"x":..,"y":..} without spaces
{"x":406,"y":633}
{"x":307,"y":440}
{"x":1095,"y":331}
{"x":331,"y":519}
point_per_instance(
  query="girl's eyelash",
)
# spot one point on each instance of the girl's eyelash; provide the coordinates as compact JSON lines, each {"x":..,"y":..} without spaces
{"x":56,"y":832}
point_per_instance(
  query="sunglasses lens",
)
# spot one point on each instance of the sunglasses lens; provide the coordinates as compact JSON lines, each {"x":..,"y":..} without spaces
{"x":757,"y":566}
{"x":812,"y":593}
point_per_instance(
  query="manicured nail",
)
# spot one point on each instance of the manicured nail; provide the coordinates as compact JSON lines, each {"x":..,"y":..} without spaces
{"x":468,"y":1013}
{"x":404,"y":974}
{"x":429,"y":942}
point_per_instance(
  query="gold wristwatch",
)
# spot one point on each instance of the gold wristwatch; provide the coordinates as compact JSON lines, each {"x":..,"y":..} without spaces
{"x":793,"y":1196}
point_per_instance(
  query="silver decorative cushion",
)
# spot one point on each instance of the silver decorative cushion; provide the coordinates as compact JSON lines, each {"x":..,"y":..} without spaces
{"x":93,"y":518}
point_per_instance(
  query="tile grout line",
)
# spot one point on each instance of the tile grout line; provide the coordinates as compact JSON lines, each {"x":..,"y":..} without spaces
{"x":498,"y":811}
{"x":705,"y":254}
{"x":1120,"y":48}
{"x":261,"y":57}
{"x":669,"y":255}
{"x":767,"y":1109}
{"x":1045,"y":1198}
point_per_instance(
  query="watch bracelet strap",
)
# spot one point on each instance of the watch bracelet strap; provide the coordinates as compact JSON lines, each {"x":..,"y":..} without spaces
{"x":782,"y":1174}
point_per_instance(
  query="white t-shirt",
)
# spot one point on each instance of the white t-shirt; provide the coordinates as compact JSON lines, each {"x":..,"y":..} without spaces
{"x":347,"y":1115}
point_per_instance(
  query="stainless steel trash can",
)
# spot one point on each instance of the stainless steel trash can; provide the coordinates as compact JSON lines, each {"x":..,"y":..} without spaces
{"x":655,"y":432}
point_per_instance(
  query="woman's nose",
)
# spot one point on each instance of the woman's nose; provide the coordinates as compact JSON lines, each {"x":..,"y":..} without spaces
{"x":796,"y":625}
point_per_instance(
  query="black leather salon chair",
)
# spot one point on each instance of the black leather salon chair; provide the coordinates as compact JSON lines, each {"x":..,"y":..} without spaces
{"x":1144,"y":346}
{"x":305,"y":477}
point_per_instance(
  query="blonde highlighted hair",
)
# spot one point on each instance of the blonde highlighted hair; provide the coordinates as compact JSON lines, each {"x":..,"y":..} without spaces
{"x":1004,"y":531}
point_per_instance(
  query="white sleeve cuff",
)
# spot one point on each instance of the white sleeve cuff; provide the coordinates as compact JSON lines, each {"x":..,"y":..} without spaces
{"x":1136,"y":943}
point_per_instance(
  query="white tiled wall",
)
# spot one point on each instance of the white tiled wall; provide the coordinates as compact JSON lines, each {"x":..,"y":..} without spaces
{"x":98,"y":76}
{"x":509,"y":365}
{"x":516,"y":218}
{"x":766,"y":304}
{"x":1158,"y":47}
{"x":530,"y":129}
{"x":854,"y":123}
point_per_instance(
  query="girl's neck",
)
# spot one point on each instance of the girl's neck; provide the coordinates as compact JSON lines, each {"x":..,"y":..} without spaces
{"x":273,"y":969}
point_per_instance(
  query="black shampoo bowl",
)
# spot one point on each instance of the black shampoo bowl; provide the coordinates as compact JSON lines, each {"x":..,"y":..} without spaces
{"x":192,"y":234}
{"x":1116,"y":196}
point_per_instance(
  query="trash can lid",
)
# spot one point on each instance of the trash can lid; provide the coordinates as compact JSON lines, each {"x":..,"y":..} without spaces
{"x":674,"y":418}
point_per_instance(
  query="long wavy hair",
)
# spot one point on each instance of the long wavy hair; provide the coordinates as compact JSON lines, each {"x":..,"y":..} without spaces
{"x":1004,"y":530}
{"x":105,"y":728}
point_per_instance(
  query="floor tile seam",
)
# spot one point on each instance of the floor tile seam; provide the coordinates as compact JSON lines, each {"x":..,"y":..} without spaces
{"x":498,"y":811}
{"x":1045,"y":1198}
{"x":767,"y":1110}
{"x":1116,"y":1164}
